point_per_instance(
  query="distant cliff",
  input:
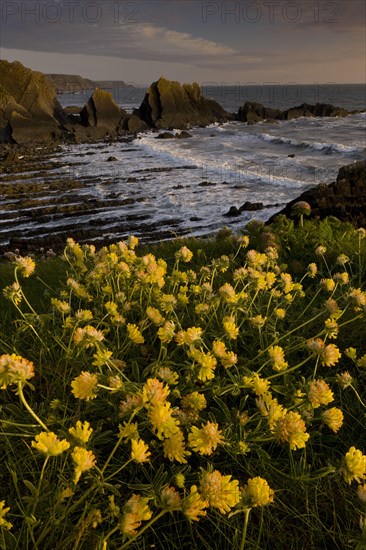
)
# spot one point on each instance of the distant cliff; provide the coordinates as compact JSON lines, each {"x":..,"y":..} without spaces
{"x":69,"y":83}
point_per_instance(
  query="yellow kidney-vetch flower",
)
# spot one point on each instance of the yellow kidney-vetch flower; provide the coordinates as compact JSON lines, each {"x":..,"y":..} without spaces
{"x":83,"y":460}
{"x":81,"y":432}
{"x":84,"y":386}
{"x":206,"y":439}
{"x":257,"y":492}
{"x":220,"y":491}
{"x":49,"y":444}
{"x":14,"y":370}
{"x":140,"y":451}
{"x":354,"y":466}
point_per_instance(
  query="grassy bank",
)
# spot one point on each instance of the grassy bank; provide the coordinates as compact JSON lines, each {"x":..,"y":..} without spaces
{"x":203,"y":394}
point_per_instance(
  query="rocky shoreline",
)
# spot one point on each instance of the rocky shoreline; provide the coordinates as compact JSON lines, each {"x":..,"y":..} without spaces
{"x":31,"y":114}
{"x":38,"y":187}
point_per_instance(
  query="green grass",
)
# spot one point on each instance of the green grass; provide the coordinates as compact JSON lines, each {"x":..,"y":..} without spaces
{"x":238,"y":432}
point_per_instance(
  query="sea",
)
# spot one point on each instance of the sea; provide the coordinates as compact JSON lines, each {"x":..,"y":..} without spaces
{"x":159,"y":189}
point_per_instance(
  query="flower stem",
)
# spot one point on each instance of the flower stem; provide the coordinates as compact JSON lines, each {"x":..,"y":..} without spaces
{"x":29,"y":409}
{"x":246,"y":520}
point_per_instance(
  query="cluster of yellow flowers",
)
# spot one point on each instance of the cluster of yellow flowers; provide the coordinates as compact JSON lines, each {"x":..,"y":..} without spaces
{"x":163,"y":348}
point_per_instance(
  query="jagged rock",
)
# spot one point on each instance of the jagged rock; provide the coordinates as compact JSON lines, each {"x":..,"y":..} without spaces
{"x":251,"y":206}
{"x":318,"y":110}
{"x":165,"y":135}
{"x":102,"y":111}
{"x":29,"y":110}
{"x":183,"y":135}
{"x":345,"y":198}
{"x":28,"y":131}
{"x":234,"y":211}
{"x":135,"y":125}
{"x":253,"y":112}
{"x":168,"y":104}
{"x":112,"y":159}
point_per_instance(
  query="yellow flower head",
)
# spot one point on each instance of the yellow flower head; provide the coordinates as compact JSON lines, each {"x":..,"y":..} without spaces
{"x":101,"y":357}
{"x":328,"y":284}
{"x":258,"y":321}
{"x":49,"y":444}
{"x":174,"y":448}
{"x":134,"y":334}
{"x":205,"y":440}
{"x":162,"y":421}
{"x":135,"y":511}
{"x":154,"y":392}
{"x":358,"y":298}
{"x":140,"y":451}
{"x":256,"y":259}
{"x":13,"y":293}
{"x":229,"y":360}
{"x":344,"y":379}
{"x":154,"y":315}
{"x":331,"y":327}
{"x":330,"y":355}
{"x":277,"y":356}
{"x":230,"y":328}
{"x":280,"y":313}
{"x":333,"y":418}
{"x":228,"y":293}
{"x":25,"y":265}
{"x":14,"y":370}
{"x":257,"y":492}
{"x":260,"y":386}
{"x":168,"y":376}
{"x":320,"y":250}
{"x":87,"y":337}
{"x":332,"y":307}
{"x":189,"y":336}
{"x":83,"y":461}
{"x":129,"y":430}
{"x":184,"y":254}
{"x":194,"y":402}
{"x":170,"y":499}
{"x":166,"y":332}
{"x":3,"y":511}
{"x":354,"y":466}
{"x":81,"y":432}
{"x":315,"y":345}
{"x":60,"y":305}
{"x":319,"y":393}
{"x":219,"y":491}
{"x":84,"y":386}
{"x":219,"y":349}
{"x":193,"y":505}
{"x":312,"y":269}
{"x":290,"y":428}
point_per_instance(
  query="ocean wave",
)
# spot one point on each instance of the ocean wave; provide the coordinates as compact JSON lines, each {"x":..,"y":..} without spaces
{"x":316,"y":146}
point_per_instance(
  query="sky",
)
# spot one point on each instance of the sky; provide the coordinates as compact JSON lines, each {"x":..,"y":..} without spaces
{"x":216,"y":42}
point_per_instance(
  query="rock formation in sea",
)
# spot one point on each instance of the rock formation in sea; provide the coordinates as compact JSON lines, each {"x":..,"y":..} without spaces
{"x":252,"y":112}
{"x":345,"y":198}
{"x":29,"y":110}
{"x":169,"y":104}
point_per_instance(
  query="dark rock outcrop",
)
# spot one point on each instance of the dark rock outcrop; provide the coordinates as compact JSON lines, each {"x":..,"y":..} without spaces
{"x":168,"y":104}
{"x":102,"y":111}
{"x":29,"y":110}
{"x":345,"y":198}
{"x":165,"y":135}
{"x":183,"y":135}
{"x":252,"y":112}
